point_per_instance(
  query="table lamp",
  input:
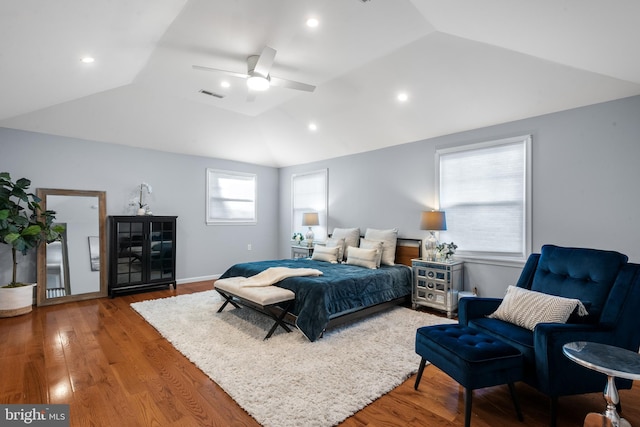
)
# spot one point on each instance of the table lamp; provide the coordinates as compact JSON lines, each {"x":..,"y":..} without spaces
{"x":432,"y":221}
{"x":310,"y":219}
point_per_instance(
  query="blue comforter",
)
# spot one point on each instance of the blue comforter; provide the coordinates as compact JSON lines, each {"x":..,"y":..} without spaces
{"x":340,"y":290}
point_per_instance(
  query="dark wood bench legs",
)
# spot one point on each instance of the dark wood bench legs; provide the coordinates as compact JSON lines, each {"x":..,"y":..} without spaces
{"x":227,"y":299}
{"x":279,"y":319}
{"x":277,"y":314}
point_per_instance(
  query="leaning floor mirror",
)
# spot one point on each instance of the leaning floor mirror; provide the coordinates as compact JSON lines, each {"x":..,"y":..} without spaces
{"x":74,"y":267}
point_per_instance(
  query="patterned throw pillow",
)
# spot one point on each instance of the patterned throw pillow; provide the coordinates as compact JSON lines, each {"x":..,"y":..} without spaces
{"x":527,"y":308}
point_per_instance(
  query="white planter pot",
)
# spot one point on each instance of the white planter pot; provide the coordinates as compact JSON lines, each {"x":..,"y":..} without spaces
{"x":16,"y":301}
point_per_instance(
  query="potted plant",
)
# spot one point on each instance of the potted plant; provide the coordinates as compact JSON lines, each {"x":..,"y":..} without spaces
{"x":23,"y":226}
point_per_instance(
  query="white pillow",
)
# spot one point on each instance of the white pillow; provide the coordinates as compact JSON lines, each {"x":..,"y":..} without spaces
{"x":389,"y":240}
{"x":351,"y":237}
{"x":323,"y":253}
{"x":373,"y":244}
{"x":527,"y":308}
{"x":339,"y":243}
{"x":362,"y":257}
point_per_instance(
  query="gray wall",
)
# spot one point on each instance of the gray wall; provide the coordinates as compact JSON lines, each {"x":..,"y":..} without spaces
{"x":585,"y":180}
{"x":178,"y":183}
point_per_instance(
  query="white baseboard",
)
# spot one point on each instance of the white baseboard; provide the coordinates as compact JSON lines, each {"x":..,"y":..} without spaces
{"x":198,"y":279}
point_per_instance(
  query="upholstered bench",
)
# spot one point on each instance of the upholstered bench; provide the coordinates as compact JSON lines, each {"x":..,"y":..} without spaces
{"x":475,"y":360}
{"x":270,"y":300}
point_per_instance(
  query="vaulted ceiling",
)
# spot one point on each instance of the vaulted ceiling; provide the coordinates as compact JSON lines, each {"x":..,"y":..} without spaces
{"x":463,"y":64}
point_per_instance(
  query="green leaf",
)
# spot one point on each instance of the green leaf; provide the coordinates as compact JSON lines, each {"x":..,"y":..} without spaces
{"x":11,"y":237}
{"x":31,"y":230}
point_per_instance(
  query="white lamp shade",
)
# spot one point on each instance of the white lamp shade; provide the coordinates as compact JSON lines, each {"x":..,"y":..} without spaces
{"x":433,"y":221}
{"x":310,"y":219}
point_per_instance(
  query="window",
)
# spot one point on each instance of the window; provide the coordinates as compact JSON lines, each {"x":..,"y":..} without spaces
{"x":485,"y":190}
{"x":309,"y":194}
{"x":231,"y":197}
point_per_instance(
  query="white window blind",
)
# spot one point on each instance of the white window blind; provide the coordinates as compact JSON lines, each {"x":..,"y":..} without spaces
{"x":231,"y":197}
{"x":309,"y":194}
{"x":485,"y":191}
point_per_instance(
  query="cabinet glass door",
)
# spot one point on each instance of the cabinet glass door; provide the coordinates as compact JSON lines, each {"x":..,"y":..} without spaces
{"x":130,"y":238}
{"x":161,"y":247}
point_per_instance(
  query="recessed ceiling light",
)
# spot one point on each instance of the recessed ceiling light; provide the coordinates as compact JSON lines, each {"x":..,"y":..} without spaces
{"x":87,"y":60}
{"x":402,"y":97}
{"x":312,"y":22}
{"x":313,"y":127}
{"x":225,"y":83}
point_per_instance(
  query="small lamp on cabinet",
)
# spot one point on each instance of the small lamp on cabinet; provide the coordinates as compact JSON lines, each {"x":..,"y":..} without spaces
{"x":310,"y":219}
{"x":432,"y":221}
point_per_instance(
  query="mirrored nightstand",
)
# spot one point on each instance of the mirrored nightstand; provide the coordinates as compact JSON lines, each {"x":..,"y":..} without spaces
{"x":301,"y":251}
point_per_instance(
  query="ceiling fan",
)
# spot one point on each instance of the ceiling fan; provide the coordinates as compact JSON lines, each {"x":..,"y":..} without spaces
{"x":258,"y":77}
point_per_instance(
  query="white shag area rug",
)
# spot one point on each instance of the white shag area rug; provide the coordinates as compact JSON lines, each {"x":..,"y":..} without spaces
{"x":287,"y":380}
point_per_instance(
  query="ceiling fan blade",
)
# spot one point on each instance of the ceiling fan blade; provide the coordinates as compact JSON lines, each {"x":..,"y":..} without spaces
{"x":263,"y":66}
{"x":231,"y":73}
{"x":276,"y":81}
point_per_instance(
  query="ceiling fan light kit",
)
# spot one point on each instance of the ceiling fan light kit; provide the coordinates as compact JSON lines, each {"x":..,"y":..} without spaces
{"x":258,"y":83}
{"x":258,"y":74}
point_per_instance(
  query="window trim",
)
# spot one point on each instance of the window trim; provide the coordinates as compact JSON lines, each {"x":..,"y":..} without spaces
{"x":231,"y":221}
{"x":325,"y":216}
{"x":528,"y":202}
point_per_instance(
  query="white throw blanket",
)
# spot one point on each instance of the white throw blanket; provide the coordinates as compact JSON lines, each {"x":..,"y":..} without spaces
{"x":269,"y":276}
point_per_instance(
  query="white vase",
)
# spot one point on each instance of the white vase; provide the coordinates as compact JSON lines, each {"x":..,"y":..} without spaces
{"x":142,"y":211}
{"x":16,"y":301}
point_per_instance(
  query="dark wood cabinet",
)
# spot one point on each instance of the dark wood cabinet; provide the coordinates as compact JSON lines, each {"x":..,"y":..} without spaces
{"x":142,"y":252}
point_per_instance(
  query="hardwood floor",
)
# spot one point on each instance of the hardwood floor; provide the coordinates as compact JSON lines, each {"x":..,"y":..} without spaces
{"x":114,"y":369}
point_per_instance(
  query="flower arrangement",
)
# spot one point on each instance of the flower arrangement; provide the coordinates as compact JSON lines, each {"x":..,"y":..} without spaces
{"x":298,"y":237}
{"x":446,"y":250}
{"x":149,"y":190}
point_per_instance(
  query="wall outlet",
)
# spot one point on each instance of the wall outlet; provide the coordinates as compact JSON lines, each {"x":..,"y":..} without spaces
{"x":249,"y":247}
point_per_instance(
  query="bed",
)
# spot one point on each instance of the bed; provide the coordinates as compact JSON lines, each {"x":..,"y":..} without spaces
{"x":343,"y":292}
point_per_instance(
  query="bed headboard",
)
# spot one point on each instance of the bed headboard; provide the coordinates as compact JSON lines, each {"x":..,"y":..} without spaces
{"x":408,"y":249}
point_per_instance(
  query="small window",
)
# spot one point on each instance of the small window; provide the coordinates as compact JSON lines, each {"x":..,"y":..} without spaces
{"x":485,"y":190}
{"x":231,"y":197}
{"x":309,"y":194}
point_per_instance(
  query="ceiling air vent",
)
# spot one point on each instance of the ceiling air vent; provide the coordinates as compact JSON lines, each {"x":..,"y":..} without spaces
{"x":216,"y":95}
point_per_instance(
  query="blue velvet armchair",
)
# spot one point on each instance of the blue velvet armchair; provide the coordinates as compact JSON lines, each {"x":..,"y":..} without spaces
{"x":607,"y":285}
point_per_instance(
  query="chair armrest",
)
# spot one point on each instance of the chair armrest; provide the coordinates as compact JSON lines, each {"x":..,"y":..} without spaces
{"x":474,"y":307}
{"x":549,"y":337}
{"x":557,"y":374}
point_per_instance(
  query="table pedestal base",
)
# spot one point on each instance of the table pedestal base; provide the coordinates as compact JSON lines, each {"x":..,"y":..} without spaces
{"x":610,"y":414}
{"x":594,"y":419}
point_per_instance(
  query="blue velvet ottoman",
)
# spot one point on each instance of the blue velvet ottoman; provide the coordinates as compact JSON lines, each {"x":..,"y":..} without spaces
{"x":473,"y":359}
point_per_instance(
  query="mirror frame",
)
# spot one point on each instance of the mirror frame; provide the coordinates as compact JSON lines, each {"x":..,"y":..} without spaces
{"x":42,"y":299}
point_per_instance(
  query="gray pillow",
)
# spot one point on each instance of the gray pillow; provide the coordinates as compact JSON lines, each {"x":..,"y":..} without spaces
{"x":362,"y":257}
{"x":351,"y":237}
{"x":322,"y":253}
{"x":389,"y":240}
{"x":339,"y":243}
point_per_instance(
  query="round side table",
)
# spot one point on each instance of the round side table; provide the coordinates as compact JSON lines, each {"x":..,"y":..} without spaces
{"x":611,"y":361}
